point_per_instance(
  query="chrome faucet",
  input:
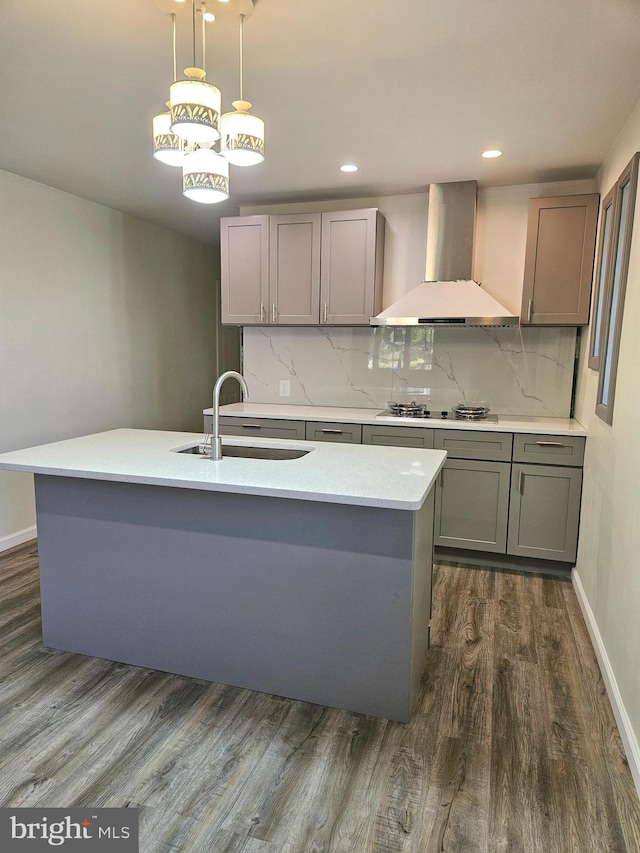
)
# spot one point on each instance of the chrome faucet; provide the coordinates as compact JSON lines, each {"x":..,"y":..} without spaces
{"x":216,"y":441}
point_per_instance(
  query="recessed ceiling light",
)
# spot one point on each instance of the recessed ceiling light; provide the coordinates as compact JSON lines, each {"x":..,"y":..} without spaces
{"x":492,"y":152}
{"x":348,"y":167}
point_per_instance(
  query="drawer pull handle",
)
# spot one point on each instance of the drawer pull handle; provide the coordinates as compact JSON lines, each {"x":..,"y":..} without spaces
{"x":274,"y":316}
{"x":334,"y":431}
{"x":251,"y":426}
{"x":324,"y":316}
{"x":550,"y":444}
{"x":520,"y":481}
{"x":262,"y":312}
{"x":529,"y":310}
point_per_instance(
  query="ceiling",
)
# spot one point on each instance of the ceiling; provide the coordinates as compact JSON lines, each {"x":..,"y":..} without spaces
{"x":410,"y":90}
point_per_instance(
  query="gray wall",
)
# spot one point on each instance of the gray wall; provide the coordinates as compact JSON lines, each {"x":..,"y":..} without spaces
{"x":105,"y":321}
{"x":608,"y":566}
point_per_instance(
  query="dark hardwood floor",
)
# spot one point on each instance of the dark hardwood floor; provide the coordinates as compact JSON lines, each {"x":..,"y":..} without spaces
{"x":513,"y":747}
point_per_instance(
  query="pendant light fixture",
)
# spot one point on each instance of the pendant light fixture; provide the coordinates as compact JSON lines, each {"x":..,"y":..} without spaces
{"x":195,"y":103}
{"x":186,"y":134}
{"x":205,"y":176}
{"x":168,"y":147}
{"x":242,"y":133}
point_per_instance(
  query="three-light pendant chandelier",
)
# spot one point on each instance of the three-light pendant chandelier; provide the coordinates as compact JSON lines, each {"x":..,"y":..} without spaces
{"x":185,"y":135}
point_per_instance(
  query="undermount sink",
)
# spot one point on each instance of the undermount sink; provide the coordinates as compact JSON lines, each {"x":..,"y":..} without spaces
{"x":248,"y":452}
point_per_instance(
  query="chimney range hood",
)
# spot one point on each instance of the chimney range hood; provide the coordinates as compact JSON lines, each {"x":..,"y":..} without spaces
{"x":448,"y":296}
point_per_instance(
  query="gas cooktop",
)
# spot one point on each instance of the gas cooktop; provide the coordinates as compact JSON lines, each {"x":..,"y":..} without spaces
{"x":461,"y":412}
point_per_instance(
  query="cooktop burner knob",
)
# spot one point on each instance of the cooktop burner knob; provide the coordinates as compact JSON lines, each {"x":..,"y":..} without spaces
{"x":444,"y":414}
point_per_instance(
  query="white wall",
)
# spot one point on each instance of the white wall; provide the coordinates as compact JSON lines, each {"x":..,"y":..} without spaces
{"x":405,"y":234}
{"x":608,"y":564}
{"x":499,"y":244}
{"x":518,"y":372}
{"x":501,"y":235}
{"x":105,"y":321}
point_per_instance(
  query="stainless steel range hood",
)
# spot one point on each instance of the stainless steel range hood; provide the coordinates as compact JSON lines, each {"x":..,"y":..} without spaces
{"x":448,"y":296}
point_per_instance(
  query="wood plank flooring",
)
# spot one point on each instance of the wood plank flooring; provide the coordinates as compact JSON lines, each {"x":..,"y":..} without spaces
{"x":513,"y":747}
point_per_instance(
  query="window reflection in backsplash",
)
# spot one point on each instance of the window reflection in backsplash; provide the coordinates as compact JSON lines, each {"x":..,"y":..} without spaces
{"x":406,"y":353}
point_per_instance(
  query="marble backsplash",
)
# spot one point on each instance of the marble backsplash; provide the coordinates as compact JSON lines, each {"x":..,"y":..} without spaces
{"x":515,"y":371}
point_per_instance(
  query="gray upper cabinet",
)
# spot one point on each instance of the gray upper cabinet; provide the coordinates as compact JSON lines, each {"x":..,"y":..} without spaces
{"x":294,"y":269}
{"x":244,"y":255}
{"x":351,"y":266}
{"x":560,"y":249}
{"x":302,"y":269}
{"x":544,"y":512}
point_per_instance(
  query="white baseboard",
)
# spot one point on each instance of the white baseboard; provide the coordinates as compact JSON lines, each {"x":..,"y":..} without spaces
{"x":19,"y":538}
{"x":628,"y":736}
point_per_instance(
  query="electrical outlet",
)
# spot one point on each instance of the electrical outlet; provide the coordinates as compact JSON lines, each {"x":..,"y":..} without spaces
{"x":285,"y":388}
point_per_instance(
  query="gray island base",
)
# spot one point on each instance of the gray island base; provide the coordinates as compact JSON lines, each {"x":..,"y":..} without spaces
{"x":322,"y":602}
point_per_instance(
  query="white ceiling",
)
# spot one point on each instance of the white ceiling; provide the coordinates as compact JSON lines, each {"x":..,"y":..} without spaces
{"x":410,"y":90}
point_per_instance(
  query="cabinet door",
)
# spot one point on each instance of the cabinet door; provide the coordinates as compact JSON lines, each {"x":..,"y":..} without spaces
{"x":244,"y":255}
{"x":294,"y":269}
{"x":561,"y":239}
{"x":544,"y":512}
{"x":351,"y":266}
{"x":472,"y":504}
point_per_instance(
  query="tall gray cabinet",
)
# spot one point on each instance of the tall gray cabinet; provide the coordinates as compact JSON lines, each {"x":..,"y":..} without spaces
{"x":302,"y":269}
{"x":561,"y":239}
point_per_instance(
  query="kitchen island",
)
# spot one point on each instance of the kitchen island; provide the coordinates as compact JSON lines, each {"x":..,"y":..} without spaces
{"x":308,"y":578}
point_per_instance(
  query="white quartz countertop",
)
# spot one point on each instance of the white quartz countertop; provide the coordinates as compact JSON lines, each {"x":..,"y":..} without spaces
{"x":364,"y":475}
{"x":506,"y":423}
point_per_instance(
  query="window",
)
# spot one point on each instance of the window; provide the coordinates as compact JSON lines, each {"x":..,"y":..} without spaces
{"x":604,"y":259}
{"x":610,"y":305}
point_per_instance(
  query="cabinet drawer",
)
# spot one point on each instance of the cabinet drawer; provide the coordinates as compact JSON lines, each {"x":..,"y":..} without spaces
{"x":471,"y":444}
{"x":260,"y":427}
{"x":320,"y":431}
{"x":398,"y":436}
{"x":549,"y":449}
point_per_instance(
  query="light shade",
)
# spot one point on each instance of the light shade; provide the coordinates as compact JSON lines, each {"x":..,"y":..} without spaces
{"x":195,"y":109}
{"x":242,"y":134}
{"x":205,"y":176}
{"x":167,"y":147}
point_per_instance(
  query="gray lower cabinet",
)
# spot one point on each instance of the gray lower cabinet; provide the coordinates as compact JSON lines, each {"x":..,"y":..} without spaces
{"x":347,"y":433}
{"x":497,"y":492}
{"x":472,"y":503}
{"x":544,"y":512}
